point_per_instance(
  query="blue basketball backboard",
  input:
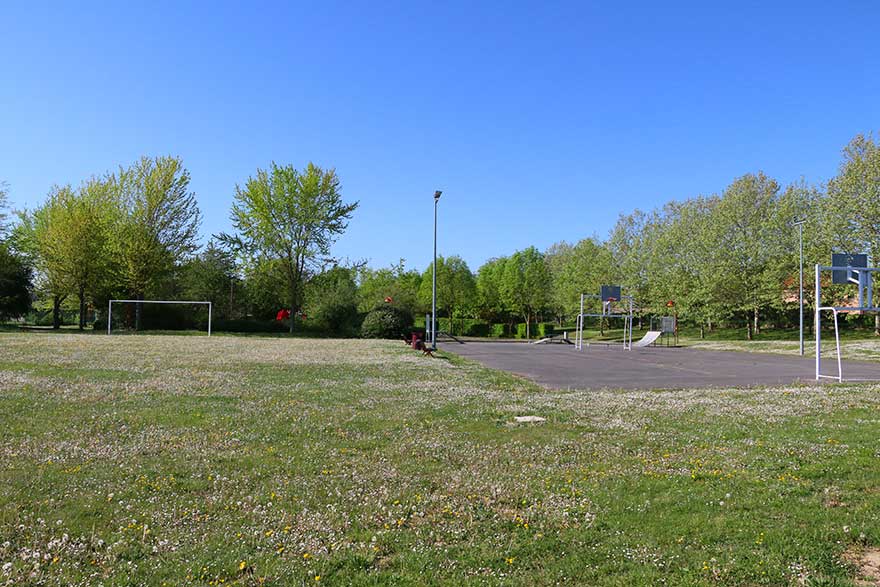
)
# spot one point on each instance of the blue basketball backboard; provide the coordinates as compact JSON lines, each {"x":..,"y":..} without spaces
{"x":610,"y":292}
{"x":846,"y":260}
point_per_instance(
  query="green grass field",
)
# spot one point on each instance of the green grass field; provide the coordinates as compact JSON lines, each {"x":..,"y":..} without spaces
{"x":151,"y":460}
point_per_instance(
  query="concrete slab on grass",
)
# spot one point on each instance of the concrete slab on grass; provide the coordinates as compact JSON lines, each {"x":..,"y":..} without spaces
{"x":599,"y":367}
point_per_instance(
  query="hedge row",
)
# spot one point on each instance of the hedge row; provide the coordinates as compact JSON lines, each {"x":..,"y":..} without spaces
{"x":479,"y":328}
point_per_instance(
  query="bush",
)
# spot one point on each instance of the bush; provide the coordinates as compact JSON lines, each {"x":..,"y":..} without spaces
{"x":539,"y":330}
{"x":387,"y":322}
{"x":499,"y":330}
{"x":545,"y":329}
{"x":478,"y":329}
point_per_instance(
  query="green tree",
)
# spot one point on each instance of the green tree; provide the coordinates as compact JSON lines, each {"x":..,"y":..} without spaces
{"x":15,"y":273}
{"x":293,"y":216}
{"x":38,"y":235}
{"x":583,"y":269}
{"x":212,"y":276}
{"x":157,"y":222}
{"x":15,"y":284}
{"x":331,"y":301}
{"x":72,"y":236}
{"x":5,"y":222}
{"x":526,"y":285}
{"x":852,"y":209}
{"x":456,"y":288}
{"x":748,"y":244}
{"x":264,"y":287}
{"x":489,"y":282}
{"x":395,"y":282}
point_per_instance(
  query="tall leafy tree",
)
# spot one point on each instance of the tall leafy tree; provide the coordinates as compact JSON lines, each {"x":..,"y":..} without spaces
{"x":490,"y":280}
{"x":456,"y":288}
{"x":72,"y":235}
{"x":331,"y":301}
{"x":5,"y":221}
{"x":212,"y":276}
{"x":15,"y":284}
{"x":293,"y":216}
{"x":526,"y":285}
{"x":852,"y":209}
{"x":157,"y":225}
{"x":15,"y":273}
{"x":395,"y":282}
{"x":584,"y":269}
{"x":748,"y":245}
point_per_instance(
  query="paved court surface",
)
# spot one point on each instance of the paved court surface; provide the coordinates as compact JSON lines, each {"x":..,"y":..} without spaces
{"x":562,"y":367}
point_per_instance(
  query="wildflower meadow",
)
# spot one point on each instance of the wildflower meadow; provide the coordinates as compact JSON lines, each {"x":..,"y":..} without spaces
{"x":187,"y":460}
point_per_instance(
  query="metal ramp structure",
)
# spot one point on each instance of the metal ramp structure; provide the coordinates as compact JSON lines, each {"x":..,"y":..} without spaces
{"x":555,"y":339}
{"x":650,"y":338}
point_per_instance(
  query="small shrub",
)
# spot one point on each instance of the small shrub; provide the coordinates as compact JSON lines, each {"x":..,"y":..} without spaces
{"x":387,"y":322}
{"x":498,"y":330}
{"x":545,"y":329}
{"x":478,"y":329}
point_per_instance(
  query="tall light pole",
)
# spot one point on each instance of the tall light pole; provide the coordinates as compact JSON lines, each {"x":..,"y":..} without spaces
{"x":434,"y":278}
{"x":800,"y":225}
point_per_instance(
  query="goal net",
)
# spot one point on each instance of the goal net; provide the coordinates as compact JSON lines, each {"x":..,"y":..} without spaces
{"x":110,"y":308}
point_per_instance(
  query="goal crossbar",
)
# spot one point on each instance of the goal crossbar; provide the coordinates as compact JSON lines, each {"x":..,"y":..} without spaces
{"x":110,"y":308}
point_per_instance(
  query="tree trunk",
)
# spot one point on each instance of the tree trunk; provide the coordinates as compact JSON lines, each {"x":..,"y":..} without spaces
{"x":757,"y":323}
{"x":748,"y":329}
{"x":876,"y":324}
{"x":702,"y":332}
{"x":528,"y":321}
{"x":82,"y":307}
{"x":138,"y":309}
{"x":56,"y":311}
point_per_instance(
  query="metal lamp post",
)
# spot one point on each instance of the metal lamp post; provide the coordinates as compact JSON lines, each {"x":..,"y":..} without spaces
{"x":434,"y":278}
{"x":800,"y":225}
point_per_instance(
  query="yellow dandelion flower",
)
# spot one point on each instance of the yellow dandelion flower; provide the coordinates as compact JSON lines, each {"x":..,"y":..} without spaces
{"x":242,"y":565}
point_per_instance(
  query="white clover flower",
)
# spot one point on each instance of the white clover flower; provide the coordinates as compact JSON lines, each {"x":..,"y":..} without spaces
{"x":7,"y":568}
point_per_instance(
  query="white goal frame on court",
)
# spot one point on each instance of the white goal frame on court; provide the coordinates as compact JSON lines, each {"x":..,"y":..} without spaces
{"x":110,"y":308}
{"x":863,"y":277}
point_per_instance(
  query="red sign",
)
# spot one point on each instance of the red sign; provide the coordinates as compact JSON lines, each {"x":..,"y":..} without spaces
{"x":670,"y":304}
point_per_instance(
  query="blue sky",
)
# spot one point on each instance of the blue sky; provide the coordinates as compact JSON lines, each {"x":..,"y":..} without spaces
{"x":539,"y":121}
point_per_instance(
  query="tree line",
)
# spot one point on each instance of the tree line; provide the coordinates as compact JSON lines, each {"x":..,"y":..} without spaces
{"x":726,"y":259}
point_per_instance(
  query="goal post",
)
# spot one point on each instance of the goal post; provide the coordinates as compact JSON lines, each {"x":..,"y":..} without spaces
{"x":110,"y":308}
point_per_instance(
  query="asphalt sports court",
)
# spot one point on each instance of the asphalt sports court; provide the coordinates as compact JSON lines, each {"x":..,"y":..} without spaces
{"x":558,"y":366}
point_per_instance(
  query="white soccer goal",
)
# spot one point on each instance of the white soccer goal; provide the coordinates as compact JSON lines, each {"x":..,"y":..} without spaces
{"x":110,"y":308}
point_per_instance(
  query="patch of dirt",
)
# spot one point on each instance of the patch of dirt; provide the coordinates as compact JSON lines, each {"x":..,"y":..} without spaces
{"x":867,"y":560}
{"x":832,"y":498}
